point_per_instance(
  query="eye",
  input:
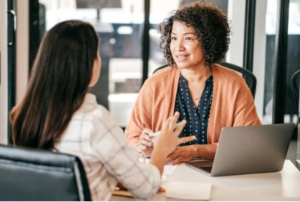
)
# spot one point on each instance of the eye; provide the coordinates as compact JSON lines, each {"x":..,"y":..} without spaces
{"x":188,"y":38}
{"x":173,"y":38}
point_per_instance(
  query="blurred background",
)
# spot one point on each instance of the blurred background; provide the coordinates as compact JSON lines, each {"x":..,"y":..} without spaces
{"x":265,"y":40}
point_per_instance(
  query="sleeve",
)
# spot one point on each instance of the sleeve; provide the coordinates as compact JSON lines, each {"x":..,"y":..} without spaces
{"x":141,"y":115}
{"x":245,"y":111}
{"x":121,"y":160}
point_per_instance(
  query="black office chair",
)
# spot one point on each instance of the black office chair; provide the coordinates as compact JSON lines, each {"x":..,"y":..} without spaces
{"x":247,"y":75}
{"x":295,"y":84}
{"x":35,"y":175}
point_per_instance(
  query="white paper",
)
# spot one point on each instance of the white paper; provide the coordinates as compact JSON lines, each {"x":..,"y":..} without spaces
{"x":144,"y":160}
{"x":169,"y":170}
{"x":188,"y":190}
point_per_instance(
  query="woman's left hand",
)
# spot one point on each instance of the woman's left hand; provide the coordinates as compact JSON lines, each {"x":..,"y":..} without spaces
{"x":181,"y":154}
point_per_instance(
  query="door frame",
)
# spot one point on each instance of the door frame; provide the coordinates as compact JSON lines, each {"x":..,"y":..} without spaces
{"x":4,"y":74}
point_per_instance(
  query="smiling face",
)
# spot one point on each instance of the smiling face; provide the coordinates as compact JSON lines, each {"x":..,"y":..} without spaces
{"x":185,"y":47}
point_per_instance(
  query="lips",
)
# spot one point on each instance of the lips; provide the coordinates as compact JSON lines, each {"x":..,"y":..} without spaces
{"x":181,"y":57}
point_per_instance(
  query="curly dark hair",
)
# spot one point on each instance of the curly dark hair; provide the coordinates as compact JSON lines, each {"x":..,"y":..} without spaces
{"x":210,"y":25}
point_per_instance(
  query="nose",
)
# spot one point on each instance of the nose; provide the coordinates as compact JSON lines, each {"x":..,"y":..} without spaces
{"x":179,"y":46}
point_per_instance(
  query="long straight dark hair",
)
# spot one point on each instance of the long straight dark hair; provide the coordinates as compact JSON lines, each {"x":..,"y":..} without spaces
{"x":58,"y":84}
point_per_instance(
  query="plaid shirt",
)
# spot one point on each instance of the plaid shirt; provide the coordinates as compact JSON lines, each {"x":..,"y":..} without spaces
{"x":93,"y":136}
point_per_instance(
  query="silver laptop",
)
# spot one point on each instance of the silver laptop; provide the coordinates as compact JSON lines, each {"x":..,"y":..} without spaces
{"x":248,"y":149}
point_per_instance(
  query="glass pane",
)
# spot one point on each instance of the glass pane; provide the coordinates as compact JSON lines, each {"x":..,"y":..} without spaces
{"x":1,"y":98}
{"x":263,"y":61}
{"x":119,"y":24}
{"x":1,"y":30}
{"x":264,"y":58}
{"x":3,"y":75}
{"x":293,"y":65}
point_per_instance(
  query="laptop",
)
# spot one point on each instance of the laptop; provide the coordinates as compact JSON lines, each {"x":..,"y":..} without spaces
{"x":247,"y":150}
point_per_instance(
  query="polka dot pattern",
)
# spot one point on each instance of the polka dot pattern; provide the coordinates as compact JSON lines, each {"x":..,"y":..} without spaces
{"x":197,"y":118}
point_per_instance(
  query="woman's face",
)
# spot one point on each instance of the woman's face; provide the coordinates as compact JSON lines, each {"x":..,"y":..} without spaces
{"x":96,"y":70}
{"x":185,"y":47}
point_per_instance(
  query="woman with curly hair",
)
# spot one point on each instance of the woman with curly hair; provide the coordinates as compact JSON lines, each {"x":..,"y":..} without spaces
{"x":208,"y":96}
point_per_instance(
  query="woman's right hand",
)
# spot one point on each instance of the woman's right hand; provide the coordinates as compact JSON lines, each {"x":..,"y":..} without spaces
{"x":145,"y":145}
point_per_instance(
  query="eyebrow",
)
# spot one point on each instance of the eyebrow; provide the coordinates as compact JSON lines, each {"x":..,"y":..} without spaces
{"x":185,"y":33}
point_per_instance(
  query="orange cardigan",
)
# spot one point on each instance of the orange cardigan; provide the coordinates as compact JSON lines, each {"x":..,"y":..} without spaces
{"x":232,"y":103}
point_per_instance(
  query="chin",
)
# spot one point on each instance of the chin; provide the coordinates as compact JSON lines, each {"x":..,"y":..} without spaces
{"x":182,"y":66}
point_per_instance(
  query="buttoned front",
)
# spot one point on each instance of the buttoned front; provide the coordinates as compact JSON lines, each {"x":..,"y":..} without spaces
{"x":197,"y":118}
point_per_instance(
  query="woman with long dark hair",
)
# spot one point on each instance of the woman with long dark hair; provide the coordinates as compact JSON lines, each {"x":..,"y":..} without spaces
{"x":58,"y":114}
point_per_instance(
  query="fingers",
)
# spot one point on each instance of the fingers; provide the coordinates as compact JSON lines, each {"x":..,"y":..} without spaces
{"x":168,"y":161}
{"x":173,"y":121}
{"x":167,"y":123}
{"x":177,"y":161}
{"x":147,"y":143}
{"x":145,"y":140}
{"x":142,"y":147}
{"x":145,"y":136}
{"x":170,"y":158}
{"x":180,"y":127}
{"x":186,"y":139}
{"x":160,"y":189}
{"x":147,"y":131}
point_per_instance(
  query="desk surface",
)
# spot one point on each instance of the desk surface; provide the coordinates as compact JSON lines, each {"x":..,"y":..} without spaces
{"x":284,"y":185}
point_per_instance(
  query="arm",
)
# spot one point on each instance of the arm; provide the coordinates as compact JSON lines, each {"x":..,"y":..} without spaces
{"x":245,"y":110}
{"x":244,"y":114}
{"x":121,"y":160}
{"x":187,"y":153}
{"x":141,"y":115}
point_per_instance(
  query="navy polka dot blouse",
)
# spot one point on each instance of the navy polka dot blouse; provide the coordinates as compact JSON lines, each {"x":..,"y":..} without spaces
{"x":197,"y":119}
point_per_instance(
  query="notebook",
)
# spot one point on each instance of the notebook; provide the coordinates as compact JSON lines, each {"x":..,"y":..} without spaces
{"x":189,"y":190}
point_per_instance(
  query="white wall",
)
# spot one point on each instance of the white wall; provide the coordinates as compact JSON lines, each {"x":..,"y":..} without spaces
{"x":22,"y":57}
{"x":4,"y":82}
{"x":236,"y":18}
{"x":22,"y":48}
{"x":260,"y":54}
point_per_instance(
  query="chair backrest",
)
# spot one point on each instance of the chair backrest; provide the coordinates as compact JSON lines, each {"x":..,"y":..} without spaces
{"x":36,"y":175}
{"x":295,"y":84}
{"x":247,"y":75}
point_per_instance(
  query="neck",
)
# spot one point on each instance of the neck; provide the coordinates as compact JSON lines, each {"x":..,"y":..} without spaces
{"x":197,"y":74}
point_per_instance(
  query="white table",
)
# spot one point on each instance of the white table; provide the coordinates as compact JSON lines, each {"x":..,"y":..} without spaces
{"x":284,"y":185}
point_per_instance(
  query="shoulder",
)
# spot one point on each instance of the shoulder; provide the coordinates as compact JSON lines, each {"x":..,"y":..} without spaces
{"x":104,"y":124}
{"x":92,"y":110}
{"x":95,"y":114}
{"x":101,"y":116}
{"x":161,"y":78}
{"x":228,"y":77}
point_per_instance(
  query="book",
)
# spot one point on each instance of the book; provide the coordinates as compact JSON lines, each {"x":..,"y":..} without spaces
{"x":122,"y":193}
